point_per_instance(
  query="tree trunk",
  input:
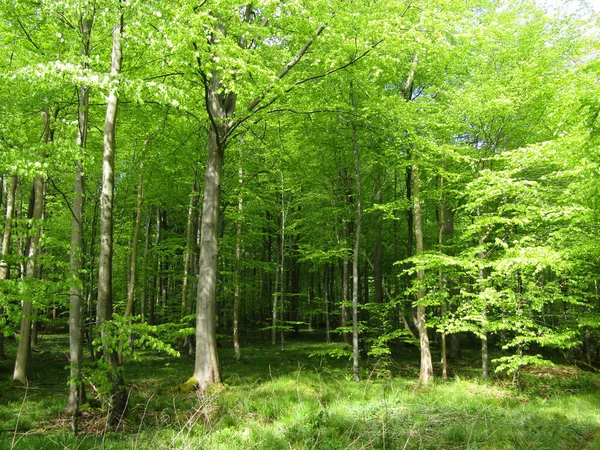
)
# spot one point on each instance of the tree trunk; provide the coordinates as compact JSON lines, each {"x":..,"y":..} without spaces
{"x":136,"y":239}
{"x":326,"y":303}
{"x":7,"y":233}
{"x":426,"y":368}
{"x":355,"y":352}
{"x":238,"y":257}
{"x":188,"y":252}
{"x":6,"y":241}
{"x":377,"y":272}
{"x":144,"y":297}
{"x":104,"y":308}
{"x":22,"y":369}
{"x":76,"y":387}
{"x":206,"y":366}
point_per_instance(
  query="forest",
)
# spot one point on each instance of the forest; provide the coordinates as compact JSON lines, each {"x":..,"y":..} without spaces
{"x":344,"y":224}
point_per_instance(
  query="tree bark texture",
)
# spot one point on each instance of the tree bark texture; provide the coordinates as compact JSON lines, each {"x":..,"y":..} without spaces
{"x":76,"y":387}
{"x":426,"y":367}
{"x":237,"y":281}
{"x":36,"y":208}
{"x":136,"y":239}
{"x":104,"y":307}
{"x":355,"y":350}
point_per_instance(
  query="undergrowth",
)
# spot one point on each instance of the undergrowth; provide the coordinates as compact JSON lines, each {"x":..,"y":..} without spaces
{"x":275,"y":399}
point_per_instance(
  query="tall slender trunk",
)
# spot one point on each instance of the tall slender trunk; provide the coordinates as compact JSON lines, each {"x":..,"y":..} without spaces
{"x":155,"y":291}
{"x":355,"y":352}
{"x":326,"y":303}
{"x":485,"y":354}
{"x":144,"y":296}
{"x":188,"y":251}
{"x":136,"y":238}
{"x":91,"y":301}
{"x":277,"y":289}
{"x":76,"y":387}
{"x":6,"y":241}
{"x":36,"y":207}
{"x":282,"y":263}
{"x":238,"y":258}
{"x":426,"y":368}
{"x":105,"y":296}
{"x":441,"y":228}
{"x":7,"y":233}
{"x":345,"y":288}
{"x":377,"y":272}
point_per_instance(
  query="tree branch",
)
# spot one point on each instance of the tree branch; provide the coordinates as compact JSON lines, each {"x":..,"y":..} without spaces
{"x":295,"y":60}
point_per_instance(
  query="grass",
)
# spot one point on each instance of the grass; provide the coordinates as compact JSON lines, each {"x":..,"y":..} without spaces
{"x":276,"y":399}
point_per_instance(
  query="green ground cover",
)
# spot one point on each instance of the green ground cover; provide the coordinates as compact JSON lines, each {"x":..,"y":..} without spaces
{"x":300,"y":399}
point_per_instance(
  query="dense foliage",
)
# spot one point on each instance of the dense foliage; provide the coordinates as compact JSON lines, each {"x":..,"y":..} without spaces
{"x":384,"y":173}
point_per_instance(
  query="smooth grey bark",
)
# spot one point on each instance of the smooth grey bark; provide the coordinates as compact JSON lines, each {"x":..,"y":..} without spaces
{"x":144,"y":296}
{"x":238,"y":266}
{"x":377,"y":272}
{"x":206,"y":366}
{"x":136,"y":238}
{"x":189,"y":249}
{"x":76,"y":387}
{"x":485,"y":354}
{"x":11,"y":192}
{"x":282,"y":264}
{"x":220,"y":106}
{"x":355,"y":350}
{"x":104,"y":308}
{"x":441,"y":229}
{"x":426,"y":366}
{"x":21,"y":371}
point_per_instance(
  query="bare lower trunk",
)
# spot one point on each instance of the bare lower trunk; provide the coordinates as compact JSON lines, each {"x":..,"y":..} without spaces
{"x":188,"y":252}
{"x":6,"y":241}
{"x":355,"y":350}
{"x":7,"y":233}
{"x":206,"y":368}
{"x":326,"y":304}
{"x":104,"y":308}
{"x":426,"y":368}
{"x":144,"y":296}
{"x":76,"y":386}
{"x":136,"y":239}
{"x":22,"y":369}
{"x":238,"y":257}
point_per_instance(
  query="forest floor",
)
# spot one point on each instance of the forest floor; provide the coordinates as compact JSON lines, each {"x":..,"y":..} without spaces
{"x":301,"y":398}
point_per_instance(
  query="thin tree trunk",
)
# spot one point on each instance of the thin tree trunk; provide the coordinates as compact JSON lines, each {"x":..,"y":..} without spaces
{"x":36,"y":207}
{"x":188,"y":252}
{"x":426,"y":367}
{"x":485,"y":354}
{"x":136,"y":238}
{"x":7,"y":233}
{"x":377,"y":272}
{"x":326,"y":302}
{"x":441,"y":228}
{"x":76,"y":387}
{"x":144,"y":297}
{"x":277,"y":289}
{"x":91,"y":314}
{"x":355,"y":350}
{"x":282,"y":264}
{"x":6,"y":241}
{"x":238,"y":257}
{"x":105,"y":301}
